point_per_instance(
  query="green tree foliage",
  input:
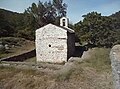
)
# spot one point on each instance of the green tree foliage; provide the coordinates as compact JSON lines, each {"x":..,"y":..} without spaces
{"x":36,"y":16}
{"x":116,"y":16}
{"x":39,"y":15}
{"x":60,"y":7}
{"x":48,"y":12}
{"x":97,"y":30}
{"x":8,"y":22}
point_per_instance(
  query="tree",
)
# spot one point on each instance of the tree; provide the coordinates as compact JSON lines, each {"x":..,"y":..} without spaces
{"x":60,"y":7}
{"x":36,"y":16}
{"x":97,"y":30}
{"x":48,"y":12}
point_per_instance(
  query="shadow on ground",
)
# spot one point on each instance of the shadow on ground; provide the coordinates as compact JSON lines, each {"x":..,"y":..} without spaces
{"x":79,"y":50}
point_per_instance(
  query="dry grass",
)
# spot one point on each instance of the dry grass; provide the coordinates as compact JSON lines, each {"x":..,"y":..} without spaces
{"x":33,"y":59}
{"x":99,"y":60}
{"x":93,"y":73}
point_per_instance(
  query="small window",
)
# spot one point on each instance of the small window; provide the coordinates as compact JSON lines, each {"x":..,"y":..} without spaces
{"x":49,"y":45}
{"x":63,"y":22}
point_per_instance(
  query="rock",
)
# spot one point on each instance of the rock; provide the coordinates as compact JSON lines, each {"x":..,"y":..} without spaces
{"x":72,"y":59}
{"x":13,"y":46}
{"x":115,"y":63}
{"x":2,"y":48}
{"x":0,"y":42}
{"x":7,"y":46}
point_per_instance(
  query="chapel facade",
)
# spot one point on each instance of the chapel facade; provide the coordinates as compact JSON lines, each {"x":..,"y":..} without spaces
{"x":55,"y":44}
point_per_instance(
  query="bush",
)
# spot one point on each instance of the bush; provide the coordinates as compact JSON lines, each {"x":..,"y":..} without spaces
{"x":2,"y":48}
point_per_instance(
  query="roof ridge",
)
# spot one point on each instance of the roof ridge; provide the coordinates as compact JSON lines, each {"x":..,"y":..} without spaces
{"x":68,"y":29}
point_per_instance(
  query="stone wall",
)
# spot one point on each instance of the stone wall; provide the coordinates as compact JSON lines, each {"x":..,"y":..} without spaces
{"x":21,"y":57}
{"x":51,"y":44}
{"x":43,"y":67}
{"x":70,"y":45}
{"x":115,"y":63}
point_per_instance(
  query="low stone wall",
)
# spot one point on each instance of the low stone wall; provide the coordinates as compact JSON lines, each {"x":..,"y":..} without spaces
{"x":115,"y":63}
{"x":21,"y":57}
{"x":43,"y":67}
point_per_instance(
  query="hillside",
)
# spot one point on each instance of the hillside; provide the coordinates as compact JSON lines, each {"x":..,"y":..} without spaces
{"x":37,"y":15}
{"x":9,"y":22}
{"x":15,"y":46}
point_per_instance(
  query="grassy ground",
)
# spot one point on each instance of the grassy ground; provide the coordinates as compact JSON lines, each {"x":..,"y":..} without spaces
{"x":92,"y":73}
{"x":16,"y":45}
{"x":99,"y":60}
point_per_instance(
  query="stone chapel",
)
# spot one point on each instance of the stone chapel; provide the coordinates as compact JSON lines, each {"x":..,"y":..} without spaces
{"x":55,"y":44}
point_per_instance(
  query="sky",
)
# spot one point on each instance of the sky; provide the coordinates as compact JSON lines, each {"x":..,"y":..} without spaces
{"x":75,"y":10}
